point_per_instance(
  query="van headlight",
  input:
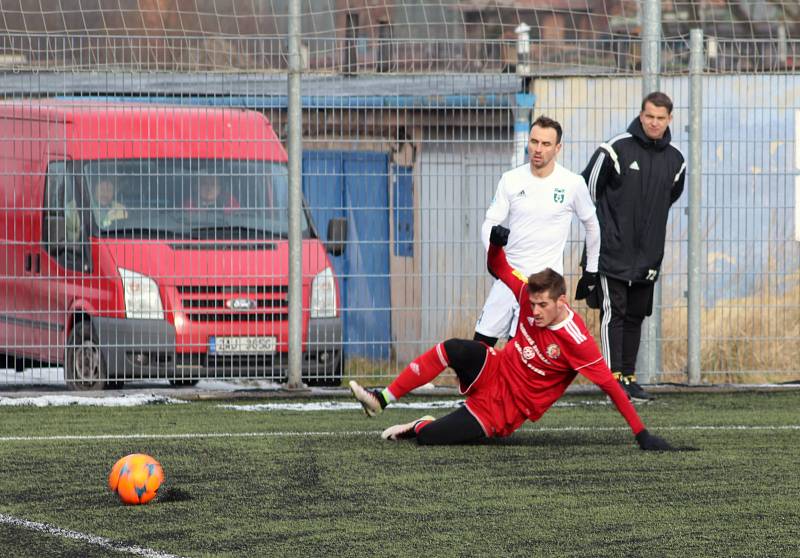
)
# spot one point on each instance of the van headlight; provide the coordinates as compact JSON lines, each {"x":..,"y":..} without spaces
{"x":323,"y":295}
{"x":142,"y":300}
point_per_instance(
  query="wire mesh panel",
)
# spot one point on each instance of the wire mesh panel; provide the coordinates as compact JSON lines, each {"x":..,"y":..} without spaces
{"x":750,"y":256}
{"x":368,"y":36}
{"x":118,"y":116}
{"x":411,"y":164}
{"x":753,"y":288}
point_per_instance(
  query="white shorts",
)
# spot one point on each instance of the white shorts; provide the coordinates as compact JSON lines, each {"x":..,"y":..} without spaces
{"x":500,"y":313}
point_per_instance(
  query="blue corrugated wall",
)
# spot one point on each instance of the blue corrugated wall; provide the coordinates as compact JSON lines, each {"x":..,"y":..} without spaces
{"x":355,"y":185}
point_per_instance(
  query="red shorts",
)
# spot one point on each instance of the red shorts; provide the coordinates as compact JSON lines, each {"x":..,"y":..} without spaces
{"x":490,"y":401}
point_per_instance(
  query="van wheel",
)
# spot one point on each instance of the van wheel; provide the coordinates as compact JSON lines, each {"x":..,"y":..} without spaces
{"x":333,"y":380}
{"x":84,"y":368}
{"x":183,"y":383}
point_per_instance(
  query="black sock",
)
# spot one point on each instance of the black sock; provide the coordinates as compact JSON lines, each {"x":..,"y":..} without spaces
{"x":379,"y":394}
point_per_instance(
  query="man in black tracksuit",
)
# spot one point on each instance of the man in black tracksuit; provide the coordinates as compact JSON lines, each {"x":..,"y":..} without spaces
{"x":634,"y":178}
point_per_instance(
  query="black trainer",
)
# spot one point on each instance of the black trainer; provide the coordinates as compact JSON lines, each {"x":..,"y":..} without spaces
{"x":634,"y":390}
{"x":618,"y":378}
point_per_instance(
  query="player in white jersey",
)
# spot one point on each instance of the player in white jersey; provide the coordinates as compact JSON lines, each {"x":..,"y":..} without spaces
{"x":536,"y":201}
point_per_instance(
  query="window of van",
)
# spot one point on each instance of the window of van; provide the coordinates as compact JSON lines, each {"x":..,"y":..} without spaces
{"x":63,"y":223}
{"x":189,"y":198}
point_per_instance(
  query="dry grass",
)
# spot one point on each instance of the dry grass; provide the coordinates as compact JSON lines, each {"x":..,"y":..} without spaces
{"x":751,"y":339}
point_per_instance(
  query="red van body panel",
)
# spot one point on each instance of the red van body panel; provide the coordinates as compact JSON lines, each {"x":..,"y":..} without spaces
{"x":210,"y":289}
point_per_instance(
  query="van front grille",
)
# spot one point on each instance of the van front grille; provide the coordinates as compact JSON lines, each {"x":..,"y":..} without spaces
{"x":235,"y":303}
{"x":232,"y":289}
{"x":237,"y":317}
{"x":221,"y":303}
{"x":223,"y":246}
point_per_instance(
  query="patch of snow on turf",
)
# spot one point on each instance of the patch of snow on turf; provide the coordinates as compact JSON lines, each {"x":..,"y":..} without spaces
{"x":132,"y":400}
{"x":351,"y":406}
{"x":336,"y":406}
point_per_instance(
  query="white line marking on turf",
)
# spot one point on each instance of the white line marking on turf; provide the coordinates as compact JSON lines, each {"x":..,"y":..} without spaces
{"x":186,"y":436}
{"x":78,"y":536}
{"x":285,"y":434}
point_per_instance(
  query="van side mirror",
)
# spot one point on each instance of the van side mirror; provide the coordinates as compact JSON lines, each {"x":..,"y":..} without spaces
{"x":337,"y":236}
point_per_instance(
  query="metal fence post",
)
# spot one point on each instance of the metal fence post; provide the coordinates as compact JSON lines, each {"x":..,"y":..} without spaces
{"x":295,"y":145}
{"x":695,"y":301}
{"x":648,"y":362}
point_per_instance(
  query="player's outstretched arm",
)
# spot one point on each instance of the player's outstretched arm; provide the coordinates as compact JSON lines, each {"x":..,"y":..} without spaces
{"x":597,"y":371}
{"x":497,"y":263}
{"x":651,"y":442}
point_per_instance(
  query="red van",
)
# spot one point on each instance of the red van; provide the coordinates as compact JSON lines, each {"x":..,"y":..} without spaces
{"x":146,"y":241}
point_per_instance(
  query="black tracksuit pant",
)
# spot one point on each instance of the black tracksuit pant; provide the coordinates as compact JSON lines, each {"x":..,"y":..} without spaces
{"x":623,"y":307}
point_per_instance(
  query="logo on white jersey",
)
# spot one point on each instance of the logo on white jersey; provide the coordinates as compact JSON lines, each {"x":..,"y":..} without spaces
{"x":553,"y":351}
{"x":558,"y":195}
{"x":634,"y":166}
{"x":521,"y":194}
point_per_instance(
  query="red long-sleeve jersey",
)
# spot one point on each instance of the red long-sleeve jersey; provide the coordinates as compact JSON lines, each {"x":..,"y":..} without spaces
{"x":535,"y":367}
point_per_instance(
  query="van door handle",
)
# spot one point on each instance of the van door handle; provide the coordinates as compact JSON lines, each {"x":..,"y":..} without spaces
{"x":32,"y":263}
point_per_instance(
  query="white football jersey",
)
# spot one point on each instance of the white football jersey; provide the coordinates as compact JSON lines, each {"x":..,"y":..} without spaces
{"x":539,"y":211}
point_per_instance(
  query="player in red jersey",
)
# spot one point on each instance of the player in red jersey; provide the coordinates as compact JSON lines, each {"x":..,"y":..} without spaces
{"x":504,"y":388}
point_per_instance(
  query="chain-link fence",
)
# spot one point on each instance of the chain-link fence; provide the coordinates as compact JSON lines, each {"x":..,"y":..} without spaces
{"x":410,"y":114}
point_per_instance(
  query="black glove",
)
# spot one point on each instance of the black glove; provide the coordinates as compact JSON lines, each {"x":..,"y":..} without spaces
{"x":650,"y":442}
{"x":586,"y":284}
{"x":499,"y":235}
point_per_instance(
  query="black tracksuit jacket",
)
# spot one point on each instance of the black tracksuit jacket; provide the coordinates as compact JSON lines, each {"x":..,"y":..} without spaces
{"x":633,"y":181}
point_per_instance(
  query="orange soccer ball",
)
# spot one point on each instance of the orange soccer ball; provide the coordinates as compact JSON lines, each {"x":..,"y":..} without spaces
{"x":136,"y":478}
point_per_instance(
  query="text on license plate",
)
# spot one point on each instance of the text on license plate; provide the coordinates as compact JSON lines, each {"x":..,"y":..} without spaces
{"x":242,"y":345}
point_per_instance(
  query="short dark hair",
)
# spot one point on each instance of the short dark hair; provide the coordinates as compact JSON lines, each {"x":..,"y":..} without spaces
{"x":659,"y":99}
{"x":548,"y":281}
{"x":547,"y":122}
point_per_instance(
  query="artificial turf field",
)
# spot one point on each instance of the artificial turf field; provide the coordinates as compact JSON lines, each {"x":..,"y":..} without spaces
{"x":322,"y":483}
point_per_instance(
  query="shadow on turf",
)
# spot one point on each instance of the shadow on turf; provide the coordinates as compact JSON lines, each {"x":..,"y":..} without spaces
{"x":562,"y":439}
{"x":548,"y":439}
{"x":172,"y":494}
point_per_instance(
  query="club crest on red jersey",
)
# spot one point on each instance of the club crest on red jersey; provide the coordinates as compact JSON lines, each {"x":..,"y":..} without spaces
{"x":553,"y":351}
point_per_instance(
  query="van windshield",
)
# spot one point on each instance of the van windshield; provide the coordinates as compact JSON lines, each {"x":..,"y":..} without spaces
{"x":188,"y":198}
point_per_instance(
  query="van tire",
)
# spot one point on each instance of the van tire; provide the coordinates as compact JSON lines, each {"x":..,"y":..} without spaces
{"x":84,"y":366}
{"x":184,"y":383}
{"x":334,"y":380}
{"x":324,"y":382}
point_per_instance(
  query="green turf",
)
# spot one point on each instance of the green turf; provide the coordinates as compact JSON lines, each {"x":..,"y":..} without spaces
{"x":338,"y":490}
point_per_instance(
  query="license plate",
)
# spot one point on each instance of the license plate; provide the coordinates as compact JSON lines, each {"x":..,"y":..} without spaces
{"x":242,"y":345}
